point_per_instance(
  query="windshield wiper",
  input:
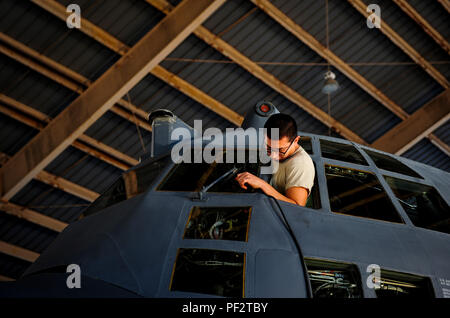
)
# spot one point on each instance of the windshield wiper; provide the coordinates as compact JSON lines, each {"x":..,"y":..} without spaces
{"x":202,"y":192}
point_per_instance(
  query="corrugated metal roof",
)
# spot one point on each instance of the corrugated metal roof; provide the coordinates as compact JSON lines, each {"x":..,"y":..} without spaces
{"x":432,"y":11}
{"x":425,"y":152}
{"x":443,"y":132}
{"x":276,"y":44}
{"x":49,"y":35}
{"x":121,"y":134}
{"x":128,"y":20}
{"x":87,"y":171}
{"x":151,"y":93}
{"x":12,"y":267}
{"x":50,"y":201}
{"x":414,"y":34}
{"x":228,"y":82}
{"x":353,"y":42}
{"x":25,"y":234}
{"x":13,"y":135}
{"x":32,"y":88}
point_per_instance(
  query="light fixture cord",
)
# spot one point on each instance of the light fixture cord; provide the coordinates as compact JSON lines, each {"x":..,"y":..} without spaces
{"x":329,"y":114}
{"x":327,"y":30}
{"x":137,"y":125}
{"x":328,"y":64}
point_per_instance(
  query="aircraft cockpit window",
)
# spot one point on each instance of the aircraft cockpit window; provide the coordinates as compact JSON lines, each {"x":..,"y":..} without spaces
{"x":306,"y":144}
{"x":114,"y":194}
{"x":358,"y":193}
{"x":192,"y":177}
{"x":394,"y":284}
{"x":218,"y":223}
{"x":423,"y":204}
{"x":313,"y":201}
{"x":341,"y":152}
{"x":140,"y":179}
{"x":129,"y":184}
{"x":389,"y":163}
{"x":333,"y":280}
{"x":210,"y":272}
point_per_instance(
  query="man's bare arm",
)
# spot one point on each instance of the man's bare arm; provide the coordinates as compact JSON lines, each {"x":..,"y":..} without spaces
{"x":295,"y":195}
{"x":298,"y":194}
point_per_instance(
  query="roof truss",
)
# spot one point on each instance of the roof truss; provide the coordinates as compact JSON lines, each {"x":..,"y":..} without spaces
{"x":413,"y":14}
{"x":347,"y":70}
{"x":403,"y":45}
{"x":101,"y":96}
{"x":421,"y":123}
{"x":267,"y":78}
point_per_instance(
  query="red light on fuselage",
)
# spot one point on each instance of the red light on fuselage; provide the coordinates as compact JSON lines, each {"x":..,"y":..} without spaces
{"x":264,"y":108}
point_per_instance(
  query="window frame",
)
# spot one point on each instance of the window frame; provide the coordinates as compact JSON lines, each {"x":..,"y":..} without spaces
{"x":357,"y":271}
{"x":173,"y":272}
{"x":389,"y":172}
{"x":132,"y":170}
{"x":426,"y":279}
{"x":341,"y":142}
{"x":173,"y":167}
{"x":401,"y":206}
{"x":381,"y":173}
{"x":383,"y":185}
{"x":193,"y":207}
{"x":311,"y":140}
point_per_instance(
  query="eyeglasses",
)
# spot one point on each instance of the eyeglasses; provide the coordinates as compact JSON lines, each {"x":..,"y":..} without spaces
{"x":278,"y":150}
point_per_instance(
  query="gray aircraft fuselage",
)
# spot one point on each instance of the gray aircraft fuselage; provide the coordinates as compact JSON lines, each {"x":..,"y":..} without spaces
{"x":130,"y":249}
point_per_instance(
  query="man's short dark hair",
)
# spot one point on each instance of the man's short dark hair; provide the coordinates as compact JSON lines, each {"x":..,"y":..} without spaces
{"x":285,"y":123}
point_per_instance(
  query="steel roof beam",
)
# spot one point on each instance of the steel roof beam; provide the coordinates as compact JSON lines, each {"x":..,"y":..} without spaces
{"x":6,"y":279}
{"x":267,"y":78}
{"x":32,"y":216}
{"x":62,"y":184}
{"x":413,"y":14}
{"x":333,"y":59}
{"x":121,"y":48}
{"x":403,"y":45}
{"x":193,"y":92}
{"x":407,"y":133}
{"x":445,"y":4}
{"x":39,"y":218}
{"x":67,"y":186}
{"x":328,"y":55}
{"x":66,"y":77}
{"x":18,"y":252}
{"x":198,"y":95}
{"x":38,"y":120}
{"x":440,"y":144}
{"x":103,"y":93}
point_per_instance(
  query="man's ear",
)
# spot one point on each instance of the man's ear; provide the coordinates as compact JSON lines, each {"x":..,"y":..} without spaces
{"x":297,"y":139}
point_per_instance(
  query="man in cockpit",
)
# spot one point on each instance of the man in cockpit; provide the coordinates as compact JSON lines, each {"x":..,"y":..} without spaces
{"x":293,"y":180}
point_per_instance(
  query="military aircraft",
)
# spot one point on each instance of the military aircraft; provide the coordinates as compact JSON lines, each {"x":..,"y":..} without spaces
{"x":375,"y":225}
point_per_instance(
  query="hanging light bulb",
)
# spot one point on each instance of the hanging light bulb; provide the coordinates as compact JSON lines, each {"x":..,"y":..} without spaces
{"x":330,"y":85}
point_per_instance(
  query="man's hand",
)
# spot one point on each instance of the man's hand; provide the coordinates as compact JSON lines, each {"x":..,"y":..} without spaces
{"x":295,"y":195}
{"x":250,"y":179}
